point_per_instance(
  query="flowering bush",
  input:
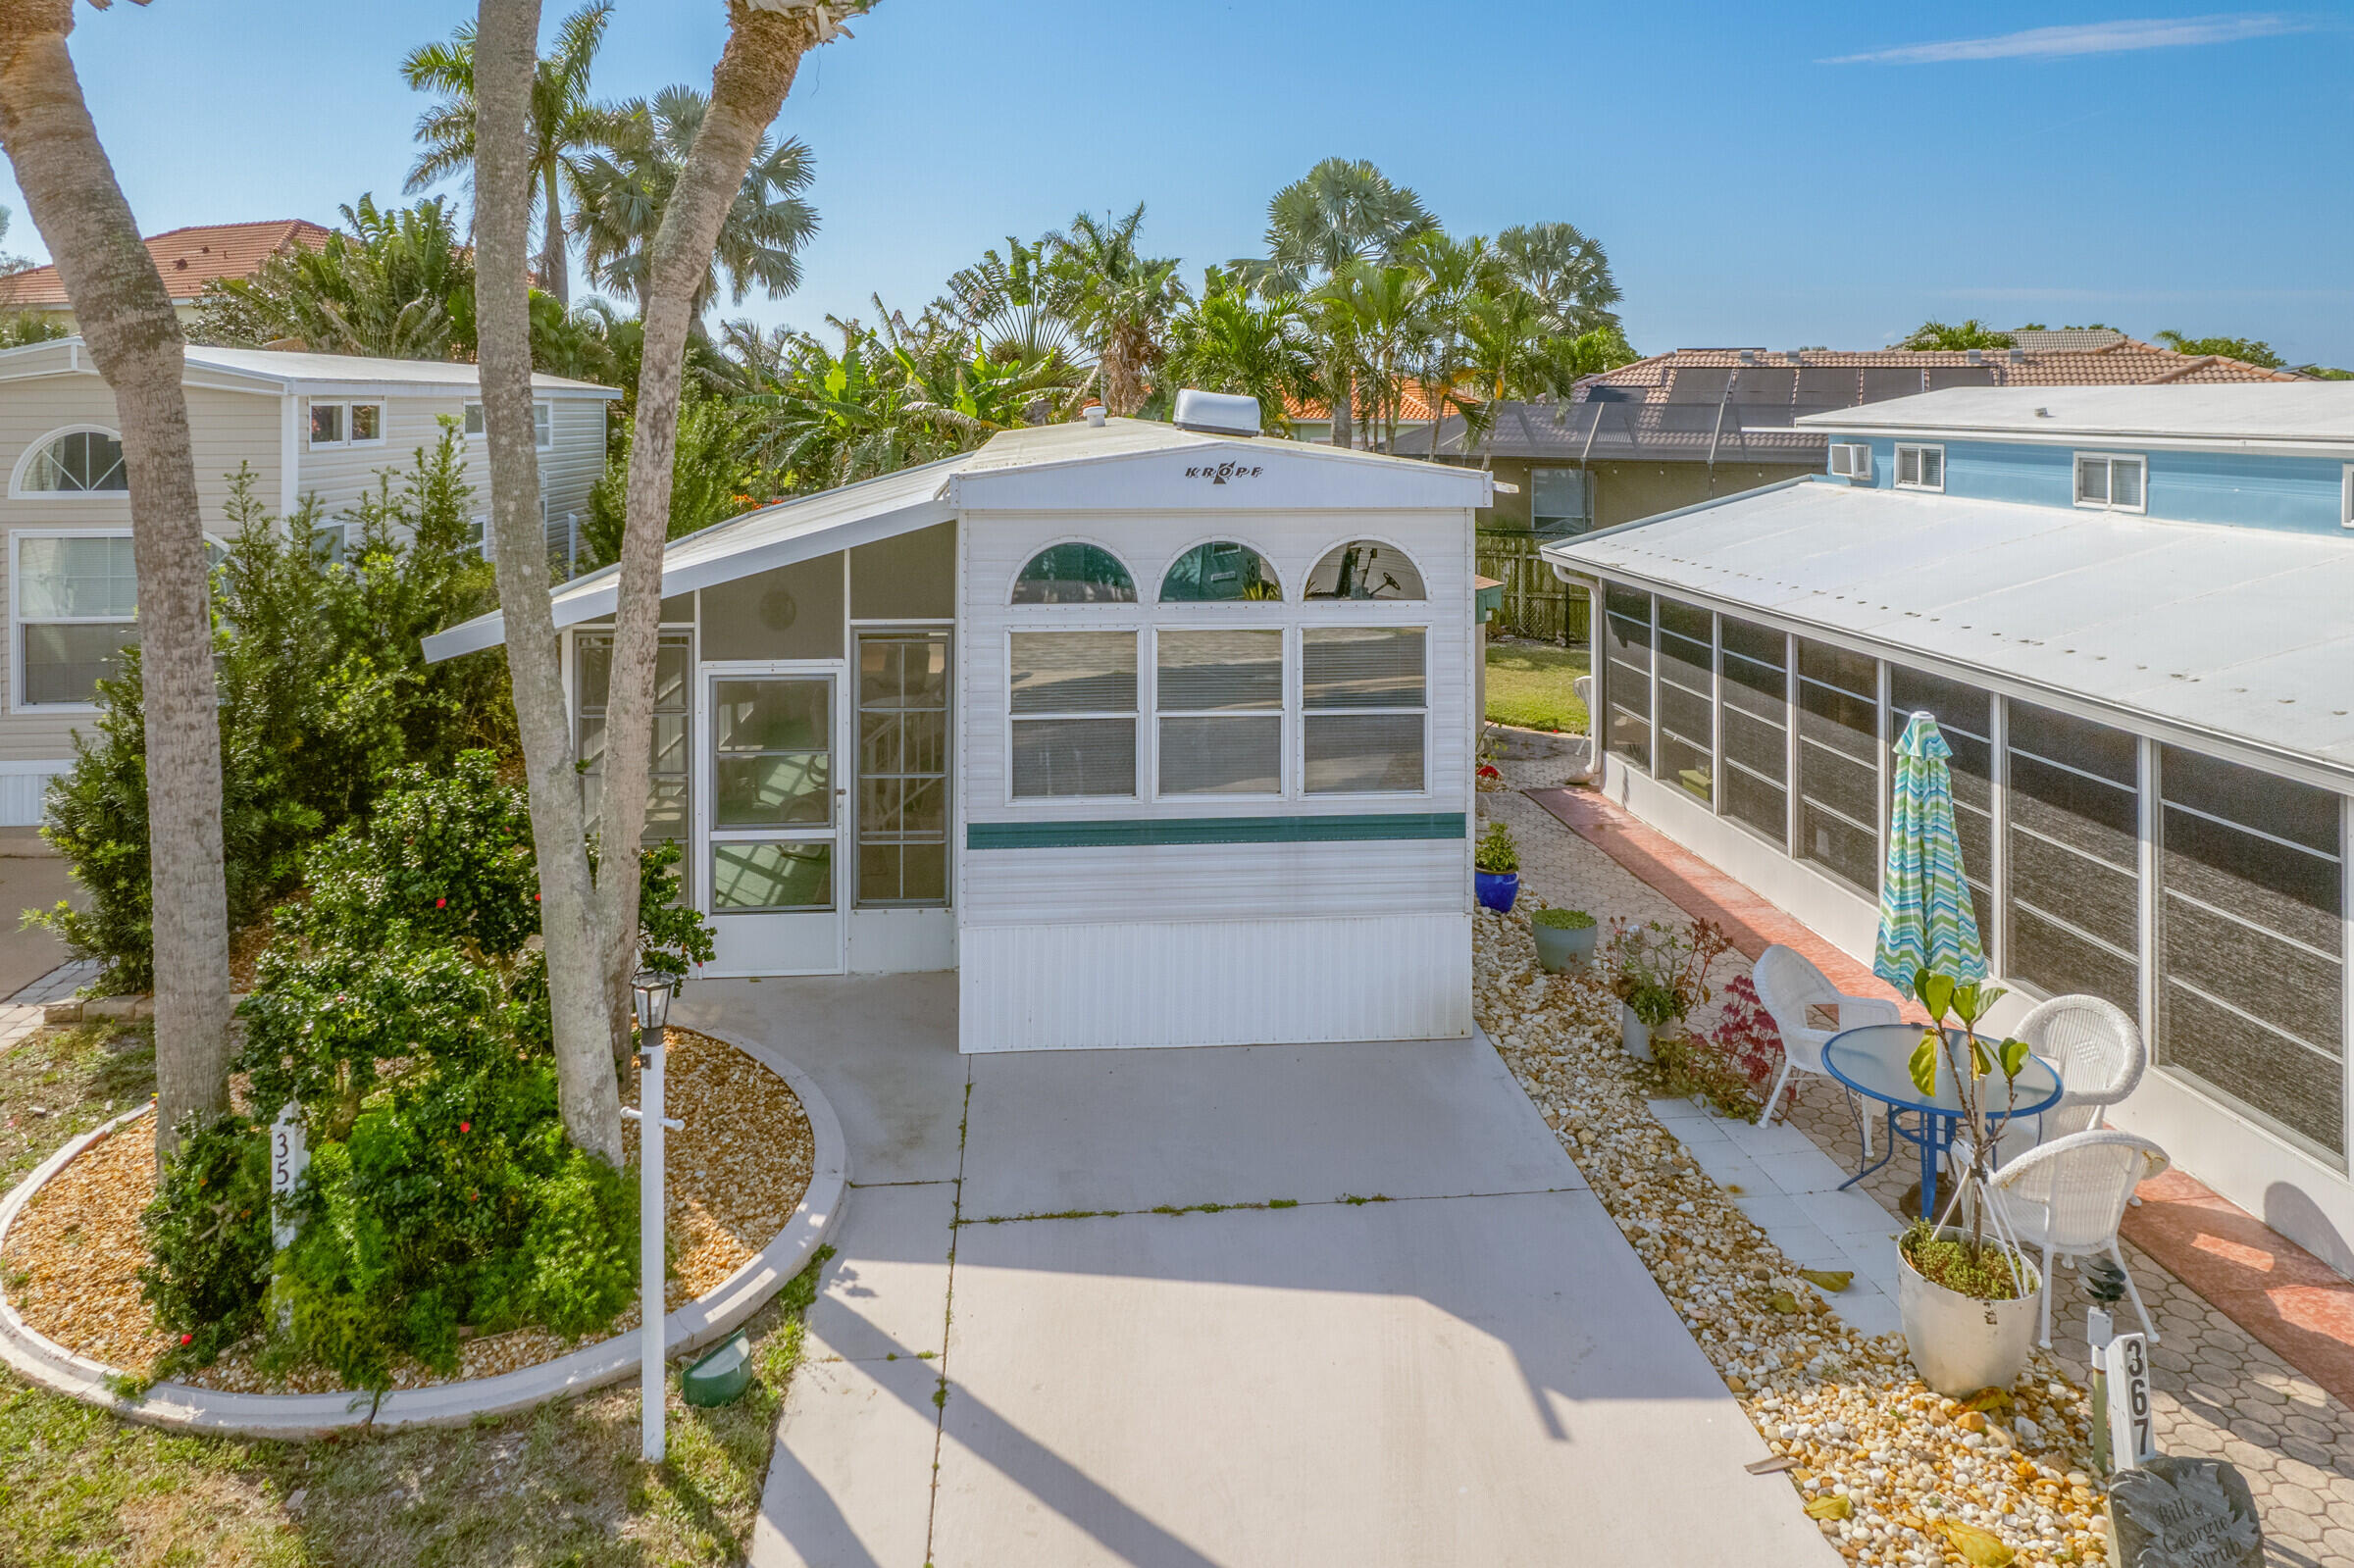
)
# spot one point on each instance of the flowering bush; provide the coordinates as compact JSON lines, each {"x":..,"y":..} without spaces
{"x":1744,"y":1034}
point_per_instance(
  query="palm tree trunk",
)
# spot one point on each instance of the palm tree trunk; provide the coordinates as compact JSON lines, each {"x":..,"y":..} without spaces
{"x":755,"y":70}
{"x":127,"y":321}
{"x":555,"y":266}
{"x":1344,"y":408}
{"x":587,"y":1093}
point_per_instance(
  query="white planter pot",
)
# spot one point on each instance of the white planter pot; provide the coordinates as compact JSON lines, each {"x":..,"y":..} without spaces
{"x":1634,"y":1034}
{"x":1961,"y":1345}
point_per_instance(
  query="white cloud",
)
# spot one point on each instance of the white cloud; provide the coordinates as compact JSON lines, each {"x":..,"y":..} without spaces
{"x":2087,"y":38}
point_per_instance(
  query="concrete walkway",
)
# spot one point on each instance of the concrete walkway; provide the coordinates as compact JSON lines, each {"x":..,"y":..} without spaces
{"x":1417,"y":1339}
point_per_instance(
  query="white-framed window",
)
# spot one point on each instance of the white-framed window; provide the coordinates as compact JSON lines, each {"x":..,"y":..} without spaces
{"x":1072,"y":711}
{"x":1365,"y":710}
{"x":1851,"y":460}
{"x":81,"y":461}
{"x":73,"y":605}
{"x":1219,"y":700}
{"x":1561,"y":500}
{"x":2112,"y":482}
{"x":481,"y":539}
{"x":342,"y":423}
{"x":1921,"y":468}
{"x":544,"y":423}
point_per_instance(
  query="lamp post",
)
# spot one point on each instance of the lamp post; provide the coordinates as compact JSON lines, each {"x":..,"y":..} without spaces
{"x":652,"y":990}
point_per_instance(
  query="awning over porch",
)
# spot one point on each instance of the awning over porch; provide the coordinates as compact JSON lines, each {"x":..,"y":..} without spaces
{"x":2244,"y":634}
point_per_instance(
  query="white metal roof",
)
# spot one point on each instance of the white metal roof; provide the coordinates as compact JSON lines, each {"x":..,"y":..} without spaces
{"x":2242,"y":634}
{"x":920,"y":497}
{"x":284,"y":370}
{"x":2252,"y":416}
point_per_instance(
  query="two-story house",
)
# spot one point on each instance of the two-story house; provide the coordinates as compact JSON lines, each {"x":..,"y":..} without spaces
{"x":2132,"y":610}
{"x":309,"y":425}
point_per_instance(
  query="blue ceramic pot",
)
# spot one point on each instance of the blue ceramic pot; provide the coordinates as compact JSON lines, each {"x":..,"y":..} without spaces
{"x":1496,"y":888}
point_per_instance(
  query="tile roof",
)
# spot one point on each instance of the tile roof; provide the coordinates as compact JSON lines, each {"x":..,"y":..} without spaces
{"x":1413,"y":403}
{"x":1738,"y":403}
{"x":187,"y":258}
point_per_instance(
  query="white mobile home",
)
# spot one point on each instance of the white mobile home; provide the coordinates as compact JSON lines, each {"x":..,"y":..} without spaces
{"x":309,"y":425}
{"x":1158,"y":736}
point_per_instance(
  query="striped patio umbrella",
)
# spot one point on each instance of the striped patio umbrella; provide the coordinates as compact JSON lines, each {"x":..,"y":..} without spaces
{"x":1926,"y":921}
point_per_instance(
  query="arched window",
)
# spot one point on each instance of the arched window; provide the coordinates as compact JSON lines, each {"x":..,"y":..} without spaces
{"x":76,"y":462}
{"x":1221,"y":569}
{"x":1074,"y":573}
{"x":1363,"y":569}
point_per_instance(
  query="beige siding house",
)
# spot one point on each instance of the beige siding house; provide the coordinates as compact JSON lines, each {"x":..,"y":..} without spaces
{"x":308,"y":425}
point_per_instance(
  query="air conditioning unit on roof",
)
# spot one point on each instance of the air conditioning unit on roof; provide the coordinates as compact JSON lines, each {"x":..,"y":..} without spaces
{"x":1851,"y":460}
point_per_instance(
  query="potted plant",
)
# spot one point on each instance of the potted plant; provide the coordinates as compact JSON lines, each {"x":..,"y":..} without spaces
{"x":1564,"y":937}
{"x":1660,"y":974}
{"x":1965,"y":1293}
{"x":1496,"y":869}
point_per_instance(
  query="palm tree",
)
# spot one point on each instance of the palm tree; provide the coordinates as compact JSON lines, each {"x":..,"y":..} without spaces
{"x":625,"y":189}
{"x":1016,"y":305}
{"x":1338,"y":213}
{"x":391,"y":285}
{"x":565,"y":124}
{"x":1227,"y":344}
{"x":1566,"y":270}
{"x":1971,"y":334}
{"x":1462,"y":273}
{"x":1121,"y":299}
{"x":1387,"y":331}
{"x":134,"y":339}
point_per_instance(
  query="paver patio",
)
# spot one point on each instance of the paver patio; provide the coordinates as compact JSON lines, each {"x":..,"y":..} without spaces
{"x":1438,"y":1349}
{"x":2220,"y":1391}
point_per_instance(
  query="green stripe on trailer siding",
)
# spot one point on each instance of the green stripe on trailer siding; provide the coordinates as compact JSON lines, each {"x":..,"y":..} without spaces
{"x":1125,"y":832}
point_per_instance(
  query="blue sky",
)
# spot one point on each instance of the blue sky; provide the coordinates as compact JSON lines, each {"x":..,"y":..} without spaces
{"x":1754,"y":181}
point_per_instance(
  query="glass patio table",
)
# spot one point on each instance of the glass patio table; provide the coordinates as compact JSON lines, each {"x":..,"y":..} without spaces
{"x":1875,"y":1061}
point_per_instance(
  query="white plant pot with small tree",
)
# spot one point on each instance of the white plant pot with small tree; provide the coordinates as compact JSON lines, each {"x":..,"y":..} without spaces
{"x":1965,"y":1292}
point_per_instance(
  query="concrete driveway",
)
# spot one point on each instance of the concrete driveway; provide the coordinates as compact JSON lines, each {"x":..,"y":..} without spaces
{"x":1418,"y":1341}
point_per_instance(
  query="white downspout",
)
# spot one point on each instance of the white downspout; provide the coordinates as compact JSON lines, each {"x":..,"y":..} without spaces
{"x":289,"y":454}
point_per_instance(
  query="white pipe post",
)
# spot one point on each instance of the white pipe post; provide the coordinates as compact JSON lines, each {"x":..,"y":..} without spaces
{"x":651,"y":1257}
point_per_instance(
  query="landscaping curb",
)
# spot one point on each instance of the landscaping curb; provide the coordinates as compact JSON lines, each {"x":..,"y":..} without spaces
{"x":299,"y":1416}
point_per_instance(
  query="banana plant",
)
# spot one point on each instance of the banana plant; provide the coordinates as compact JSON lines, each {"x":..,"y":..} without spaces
{"x":1973,"y":1064}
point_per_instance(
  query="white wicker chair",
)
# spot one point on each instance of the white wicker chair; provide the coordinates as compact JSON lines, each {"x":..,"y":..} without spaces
{"x":2068,"y":1196}
{"x":1788,"y":984}
{"x":2100,"y":1057}
{"x":1583,"y":685}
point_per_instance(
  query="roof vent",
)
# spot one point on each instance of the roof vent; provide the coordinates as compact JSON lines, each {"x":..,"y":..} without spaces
{"x":2043,"y":413}
{"x":1749,"y":356}
{"x":2019,"y":356}
{"x":1095,"y":413}
{"x":1216,"y":413}
{"x":1975,"y":356}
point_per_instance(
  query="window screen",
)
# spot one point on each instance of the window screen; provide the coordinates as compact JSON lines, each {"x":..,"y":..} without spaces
{"x":903,"y":768}
{"x":792,"y":612}
{"x":1965,"y":717}
{"x":2251,"y":944}
{"x":1363,"y":690}
{"x":1627,"y":675}
{"x":1687,"y":698}
{"x":1073,"y":700}
{"x":908,"y":577}
{"x":2073,"y":910}
{"x":667,"y":789}
{"x":1754,"y":712}
{"x":1838,"y":764}
{"x":1560,"y":500}
{"x":1221,"y":701}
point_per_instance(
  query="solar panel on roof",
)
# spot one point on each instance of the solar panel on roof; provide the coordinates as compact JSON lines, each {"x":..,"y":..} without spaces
{"x":1698,"y":384}
{"x":1761,"y":387}
{"x":1880,"y":383}
{"x":1821,"y":386}
{"x":1614,"y":394}
{"x":1945,"y":375}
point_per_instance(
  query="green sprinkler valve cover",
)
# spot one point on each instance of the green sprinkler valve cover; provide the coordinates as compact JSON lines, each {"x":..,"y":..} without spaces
{"x":722,"y":1376}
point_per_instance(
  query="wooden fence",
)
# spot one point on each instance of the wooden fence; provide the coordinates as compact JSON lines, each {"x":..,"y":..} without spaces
{"x":1536,"y":603}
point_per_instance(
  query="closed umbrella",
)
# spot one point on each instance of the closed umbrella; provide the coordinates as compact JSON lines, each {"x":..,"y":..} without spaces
{"x":1926,"y":921}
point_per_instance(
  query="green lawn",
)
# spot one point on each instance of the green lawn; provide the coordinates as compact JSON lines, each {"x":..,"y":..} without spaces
{"x":562,"y":1484}
{"x":1529,"y":684}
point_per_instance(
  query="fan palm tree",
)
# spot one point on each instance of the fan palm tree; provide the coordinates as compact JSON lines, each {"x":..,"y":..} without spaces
{"x":1122,"y":299}
{"x":1017,"y":306}
{"x":624,"y":188}
{"x":565,"y":124}
{"x":1566,"y":270}
{"x":1339,"y":213}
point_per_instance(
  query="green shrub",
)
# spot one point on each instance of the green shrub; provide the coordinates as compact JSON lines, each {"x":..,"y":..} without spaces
{"x":403,"y":1008}
{"x":208,"y":1237}
{"x":1496,"y":852}
{"x":1562,"y":920}
{"x":323,"y":688}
